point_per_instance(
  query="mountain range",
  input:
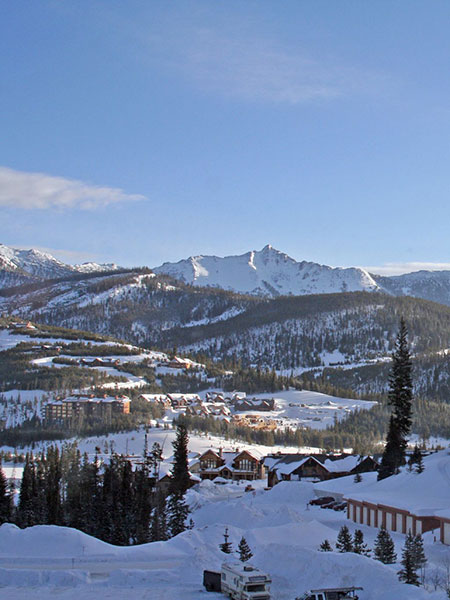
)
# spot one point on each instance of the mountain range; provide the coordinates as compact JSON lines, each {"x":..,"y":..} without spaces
{"x":266,"y":273}
{"x":347,"y":335}
{"x":21,"y":266}
{"x":272,"y":273}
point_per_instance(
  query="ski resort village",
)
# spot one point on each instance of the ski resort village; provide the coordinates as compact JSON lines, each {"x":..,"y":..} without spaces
{"x":225,"y":300}
{"x":130,"y":468}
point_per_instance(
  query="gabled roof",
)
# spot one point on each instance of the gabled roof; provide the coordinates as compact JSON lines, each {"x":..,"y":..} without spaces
{"x":286,"y":467}
{"x":342,"y":465}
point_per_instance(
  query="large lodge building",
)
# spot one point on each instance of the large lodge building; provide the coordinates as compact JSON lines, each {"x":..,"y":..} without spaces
{"x":86,"y":406}
{"x":408,"y":501}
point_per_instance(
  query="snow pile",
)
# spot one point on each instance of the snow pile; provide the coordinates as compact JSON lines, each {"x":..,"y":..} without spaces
{"x":282,"y":531}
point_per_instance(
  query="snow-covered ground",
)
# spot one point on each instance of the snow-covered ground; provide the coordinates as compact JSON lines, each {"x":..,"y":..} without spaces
{"x":282,"y":531}
{"x":132,"y":442}
{"x":309,"y":409}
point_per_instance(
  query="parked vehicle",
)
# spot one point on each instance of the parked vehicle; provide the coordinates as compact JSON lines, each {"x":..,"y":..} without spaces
{"x":341,"y":593}
{"x":211,"y":581}
{"x":322,"y":500}
{"x":329,"y":504}
{"x":340,"y":506}
{"x":244,"y":582}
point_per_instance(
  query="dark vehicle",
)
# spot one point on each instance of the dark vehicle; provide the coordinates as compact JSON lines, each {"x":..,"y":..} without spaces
{"x":322,"y":500}
{"x":340,"y":506}
{"x":211,"y":581}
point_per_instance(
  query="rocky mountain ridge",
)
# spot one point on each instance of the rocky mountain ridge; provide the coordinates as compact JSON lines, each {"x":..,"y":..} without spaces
{"x":267,"y":273}
{"x":19,"y":266}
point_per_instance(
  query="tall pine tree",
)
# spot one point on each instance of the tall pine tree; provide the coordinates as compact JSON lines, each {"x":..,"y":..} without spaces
{"x":408,"y":573}
{"x":177,"y":508}
{"x":180,"y":473}
{"x":6,"y":502}
{"x":400,"y":398}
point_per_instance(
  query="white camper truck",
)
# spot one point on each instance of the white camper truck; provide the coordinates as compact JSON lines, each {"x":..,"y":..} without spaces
{"x":244,"y":582}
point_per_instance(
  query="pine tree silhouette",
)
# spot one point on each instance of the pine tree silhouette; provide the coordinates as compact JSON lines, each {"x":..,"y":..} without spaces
{"x":359,"y":547}
{"x":325,"y":546}
{"x":384,"y":549}
{"x":400,"y":398}
{"x":244,"y":551}
{"x":226,"y":545}
{"x":344,"y":540}
{"x":408,"y":574}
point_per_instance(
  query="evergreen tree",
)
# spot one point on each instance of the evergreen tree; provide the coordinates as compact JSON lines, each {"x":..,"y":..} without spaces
{"x":416,"y":459}
{"x":226,"y":545}
{"x":408,"y":574}
{"x":72,"y":506}
{"x":91,"y":497}
{"x":154,"y":460}
{"x":325,"y":546}
{"x":344,"y":540}
{"x":400,"y":398}
{"x":180,"y":473}
{"x":178,"y":512}
{"x":158,"y":525}
{"x":53,"y":486}
{"x":142,"y":506}
{"x":359,"y":547}
{"x":244,"y":551}
{"x":418,"y":553}
{"x":6,"y":503}
{"x":384,"y":549}
{"x":392,"y":456}
{"x":419,"y":463}
{"x":26,"y":508}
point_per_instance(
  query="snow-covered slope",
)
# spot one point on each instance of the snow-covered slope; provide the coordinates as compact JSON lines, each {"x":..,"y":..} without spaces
{"x":431,"y":285}
{"x":268,"y":272}
{"x":282,"y":530}
{"x":18,"y":266}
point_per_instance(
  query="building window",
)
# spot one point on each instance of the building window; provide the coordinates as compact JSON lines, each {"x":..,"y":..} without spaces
{"x":246,"y":465}
{"x":209,"y":463}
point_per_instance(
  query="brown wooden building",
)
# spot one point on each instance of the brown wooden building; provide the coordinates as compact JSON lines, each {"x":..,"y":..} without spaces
{"x":239,"y":465}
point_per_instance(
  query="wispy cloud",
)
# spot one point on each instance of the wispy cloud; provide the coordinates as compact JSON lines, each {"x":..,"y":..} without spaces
{"x":408,"y":267}
{"x":255,"y":69}
{"x":19,"y":189}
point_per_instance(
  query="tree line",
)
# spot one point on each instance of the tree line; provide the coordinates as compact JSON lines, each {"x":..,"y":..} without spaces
{"x":113,"y":501}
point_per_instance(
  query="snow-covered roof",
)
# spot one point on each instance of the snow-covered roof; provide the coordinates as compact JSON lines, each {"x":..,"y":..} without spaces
{"x":427,"y":493}
{"x":87,"y":399}
{"x":153,"y":397}
{"x":342,"y":464}
{"x":183,"y":396}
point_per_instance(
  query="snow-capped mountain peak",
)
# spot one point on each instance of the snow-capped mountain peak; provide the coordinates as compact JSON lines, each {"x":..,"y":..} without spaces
{"x":18,"y":266}
{"x":268,"y":272}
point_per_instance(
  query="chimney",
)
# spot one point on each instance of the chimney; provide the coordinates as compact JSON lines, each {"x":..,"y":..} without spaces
{"x":220,"y":452}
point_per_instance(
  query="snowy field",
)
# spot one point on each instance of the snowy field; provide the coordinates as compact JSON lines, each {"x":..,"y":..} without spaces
{"x":45,"y":562}
{"x":309,"y":409}
{"x":132,"y":443}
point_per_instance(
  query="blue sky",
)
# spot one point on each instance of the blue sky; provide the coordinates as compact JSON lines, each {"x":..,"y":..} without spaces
{"x":139,"y":132}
